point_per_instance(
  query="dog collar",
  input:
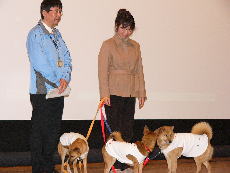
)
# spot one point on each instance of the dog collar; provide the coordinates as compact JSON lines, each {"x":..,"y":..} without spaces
{"x":147,"y":149}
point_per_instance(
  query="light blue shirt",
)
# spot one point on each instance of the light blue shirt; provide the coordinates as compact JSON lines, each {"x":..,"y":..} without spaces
{"x":45,"y":50}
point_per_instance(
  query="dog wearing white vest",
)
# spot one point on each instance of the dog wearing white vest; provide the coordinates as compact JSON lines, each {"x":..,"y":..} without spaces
{"x":75,"y":147}
{"x":195,"y":144}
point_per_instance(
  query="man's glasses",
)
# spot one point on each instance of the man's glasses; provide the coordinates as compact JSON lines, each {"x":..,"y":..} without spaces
{"x":57,"y":11}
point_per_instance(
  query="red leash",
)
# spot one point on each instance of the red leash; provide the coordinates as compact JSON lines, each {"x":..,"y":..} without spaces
{"x":102,"y":125}
{"x":146,"y":161}
{"x":147,"y":158}
{"x":103,"y":130}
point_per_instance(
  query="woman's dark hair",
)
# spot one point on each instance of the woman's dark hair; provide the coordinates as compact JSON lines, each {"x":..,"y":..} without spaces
{"x":47,"y":4}
{"x":125,"y":19}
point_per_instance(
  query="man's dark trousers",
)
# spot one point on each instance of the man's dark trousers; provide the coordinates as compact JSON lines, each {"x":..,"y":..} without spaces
{"x":46,"y":125}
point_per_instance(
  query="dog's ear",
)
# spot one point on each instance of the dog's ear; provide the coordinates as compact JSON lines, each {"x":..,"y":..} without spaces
{"x":146,"y":130}
{"x":159,"y":130}
{"x":77,"y":150}
{"x":172,"y":127}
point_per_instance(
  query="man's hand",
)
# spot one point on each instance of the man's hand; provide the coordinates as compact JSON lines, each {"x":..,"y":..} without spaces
{"x":63,"y":86}
{"x":141,"y":101}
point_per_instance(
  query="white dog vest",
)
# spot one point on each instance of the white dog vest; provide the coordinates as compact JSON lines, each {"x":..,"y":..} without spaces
{"x":120,"y":150}
{"x":68,"y":138}
{"x":193,"y":145}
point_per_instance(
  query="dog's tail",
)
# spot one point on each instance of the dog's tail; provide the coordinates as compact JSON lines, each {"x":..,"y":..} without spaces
{"x":116,"y":136}
{"x":202,"y":128}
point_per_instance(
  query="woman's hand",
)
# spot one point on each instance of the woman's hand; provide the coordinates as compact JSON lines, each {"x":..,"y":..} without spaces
{"x":107,"y":101}
{"x":141,"y":101}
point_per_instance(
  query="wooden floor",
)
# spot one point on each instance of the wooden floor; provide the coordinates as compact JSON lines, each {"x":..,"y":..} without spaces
{"x":219,"y":165}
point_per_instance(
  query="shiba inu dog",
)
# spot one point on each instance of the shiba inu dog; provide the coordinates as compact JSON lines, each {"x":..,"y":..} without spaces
{"x":130,"y":153}
{"x":195,"y":144}
{"x":75,"y":147}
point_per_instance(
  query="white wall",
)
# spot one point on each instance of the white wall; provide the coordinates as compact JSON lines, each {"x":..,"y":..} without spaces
{"x":185,"y":47}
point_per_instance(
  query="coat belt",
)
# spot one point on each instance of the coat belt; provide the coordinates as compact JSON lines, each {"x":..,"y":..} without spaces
{"x":134,"y":79}
{"x":122,"y":72}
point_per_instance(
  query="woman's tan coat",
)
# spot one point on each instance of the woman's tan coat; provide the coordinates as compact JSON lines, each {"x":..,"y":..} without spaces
{"x":120,"y":68}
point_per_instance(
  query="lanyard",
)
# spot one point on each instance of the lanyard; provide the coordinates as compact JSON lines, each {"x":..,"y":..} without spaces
{"x":55,"y":42}
{"x":60,"y":63}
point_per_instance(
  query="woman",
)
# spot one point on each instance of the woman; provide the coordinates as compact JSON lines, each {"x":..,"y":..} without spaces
{"x":121,"y":78}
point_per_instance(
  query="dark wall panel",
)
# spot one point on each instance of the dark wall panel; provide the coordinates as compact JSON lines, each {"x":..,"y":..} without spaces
{"x":15,"y":135}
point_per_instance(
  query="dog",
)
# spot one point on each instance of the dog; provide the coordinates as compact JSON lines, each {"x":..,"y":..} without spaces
{"x":75,"y":147}
{"x":195,"y":144}
{"x":132,"y":154}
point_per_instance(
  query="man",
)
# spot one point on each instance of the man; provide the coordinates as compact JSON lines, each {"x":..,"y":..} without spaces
{"x":51,"y":68}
